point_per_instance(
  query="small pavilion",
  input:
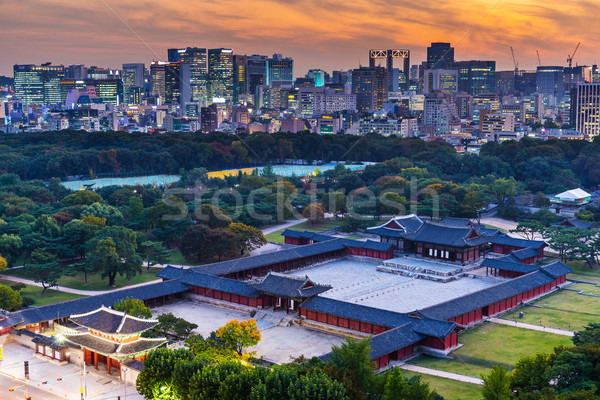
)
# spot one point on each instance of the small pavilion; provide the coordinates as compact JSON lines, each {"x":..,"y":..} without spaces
{"x":112,"y":337}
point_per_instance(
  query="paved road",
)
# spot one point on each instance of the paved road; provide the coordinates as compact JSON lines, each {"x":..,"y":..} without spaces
{"x":285,"y":224}
{"x":7,"y":382}
{"x":500,"y":223}
{"x":532,"y":327}
{"x":442,"y":374}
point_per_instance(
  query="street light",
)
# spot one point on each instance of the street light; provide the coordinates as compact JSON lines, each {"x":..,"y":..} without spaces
{"x":125,"y":381}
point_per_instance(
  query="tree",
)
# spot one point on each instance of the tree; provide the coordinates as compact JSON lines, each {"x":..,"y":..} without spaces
{"x":314,"y":212}
{"x":238,"y":335}
{"x":391,"y":203}
{"x":589,"y":335}
{"x":82,"y":198}
{"x":158,"y":370}
{"x":153,"y":253}
{"x":353,"y":359}
{"x":136,"y":215}
{"x":529,"y":230}
{"x":335,"y":202}
{"x":183,"y":328}
{"x":112,"y":215}
{"x":502,"y":189}
{"x":3,"y":263}
{"x":134,"y":307}
{"x":276,"y":384}
{"x":223,"y":243}
{"x":10,"y":300}
{"x":317,"y":385}
{"x":528,"y":374}
{"x":121,"y":257}
{"x":212,"y":216}
{"x":496,"y":385}
{"x":249,"y":237}
{"x":166,"y":323}
{"x":10,"y":247}
{"x":43,"y":268}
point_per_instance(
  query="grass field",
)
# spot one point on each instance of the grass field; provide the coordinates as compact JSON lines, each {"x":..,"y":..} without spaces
{"x":583,"y":273}
{"x":326,"y":224}
{"x":563,"y":310}
{"x":50,"y":297}
{"x":448,"y":388}
{"x":491,"y":344}
{"x":95,"y":281}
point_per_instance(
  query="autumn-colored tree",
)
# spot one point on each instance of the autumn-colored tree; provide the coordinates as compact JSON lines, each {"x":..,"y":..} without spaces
{"x":3,"y":263}
{"x":249,"y":237}
{"x":314,"y":212}
{"x":97,"y":222}
{"x":237,"y":335}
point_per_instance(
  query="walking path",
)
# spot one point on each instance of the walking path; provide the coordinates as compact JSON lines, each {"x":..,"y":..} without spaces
{"x":285,"y":224}
{"x":442,"y":374}
{"x":71,"y":290}
{"x":532,"y":327}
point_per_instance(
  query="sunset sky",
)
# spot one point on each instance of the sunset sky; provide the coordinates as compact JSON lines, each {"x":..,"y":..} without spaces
{"x":329,"y":34}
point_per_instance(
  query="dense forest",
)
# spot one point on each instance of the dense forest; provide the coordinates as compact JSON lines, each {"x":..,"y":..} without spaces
{"x":546,"y":166}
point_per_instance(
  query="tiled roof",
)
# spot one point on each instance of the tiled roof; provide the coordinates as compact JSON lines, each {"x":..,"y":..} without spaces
{"x":505,"y":264}
{"x":114,"y":349}
{"x":556,"y":269}
{"x":487,"y":296}
{"x":525,"y":253}
{"x":243,"y":264}
{"x":444,"y":235}
{"x":516,"y":242}
{"x":192,"y":277}
{"x":577,"y":223}
{"x":386,"y":232}
{"x":34,"y":315}
{"x":392,"y":340}
{"x":288,"y":286}
{"x":368,"y":244}
{"x":49,"y":341}
{"x":458,"y":222}
{"x":408,"y":223}
{"x":111,"y":321}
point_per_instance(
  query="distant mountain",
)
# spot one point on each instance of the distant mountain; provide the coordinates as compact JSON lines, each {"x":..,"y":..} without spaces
{"x":5,"y":80}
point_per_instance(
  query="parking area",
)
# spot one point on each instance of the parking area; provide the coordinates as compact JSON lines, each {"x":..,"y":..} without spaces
{"x":279,"y":344}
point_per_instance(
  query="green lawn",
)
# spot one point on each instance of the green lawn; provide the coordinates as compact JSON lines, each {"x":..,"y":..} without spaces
{"x":583,"y":273}
{"x":50,"y":297}
{"x":448,"y":388}
{"x":492,"y":344}
{"x":563,"y":310}
{"x":95,"y":282}
{"x":494,"y":227}
{"x":326,"y":224}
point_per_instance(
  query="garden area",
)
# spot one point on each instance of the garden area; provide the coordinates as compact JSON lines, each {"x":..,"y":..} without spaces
{"x":563,"y":310}
{"x":50,"y":297}
{"x":449,"y":388}
{"x":491,"y":344}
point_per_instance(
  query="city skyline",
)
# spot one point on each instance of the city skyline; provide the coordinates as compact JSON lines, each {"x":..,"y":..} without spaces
{"x":331,"y":36}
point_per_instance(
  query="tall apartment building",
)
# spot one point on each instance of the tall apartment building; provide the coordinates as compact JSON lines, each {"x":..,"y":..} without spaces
{"x":476,"y":77}
{"x":440,"y":112}
{"x":197,"y":59}
{"x":443,"y":80}
{"x":133,"y":77}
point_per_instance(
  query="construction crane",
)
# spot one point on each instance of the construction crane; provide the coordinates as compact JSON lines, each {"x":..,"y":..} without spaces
{"x":539,"y":61}
{"x":514,"y":60}
{"x":570,"y":61}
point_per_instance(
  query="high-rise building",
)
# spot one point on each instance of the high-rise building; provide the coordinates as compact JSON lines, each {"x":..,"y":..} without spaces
{"x":492,"y":122}
{"x":444,"y":80}
{"x":157,"y":79}
{"x":220,"y":74}
{"x":133,"y":77}
{"x":440,"y":56}
{"x":389,"y":56}
{"x":240,"y":78}
{"x":280,"y":69}
{"x":370,"y":87}
{"x":318,"y":75}
{"x":464,"y":105}
{"x":586,"y":108}
{"x":172,"y":82}
{"x":551,"y":81}
{"x":476,"y":77}
{"x":76,"y":72}
{"x":38,"y":84}
{"x":197,"y":59}
{"x":109,"y":90}
{"x":440,"y":113}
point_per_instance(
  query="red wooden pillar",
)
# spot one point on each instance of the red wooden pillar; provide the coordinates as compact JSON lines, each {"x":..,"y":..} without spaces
{"x":108,"y":364}
{"x":96,"y":360}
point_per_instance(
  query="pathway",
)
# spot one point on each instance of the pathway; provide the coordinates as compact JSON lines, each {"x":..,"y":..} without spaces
{"x":71,"y":290}
{"x":532,"y":327}
{"x":285,"y":224}
{"x":442,"y":374}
